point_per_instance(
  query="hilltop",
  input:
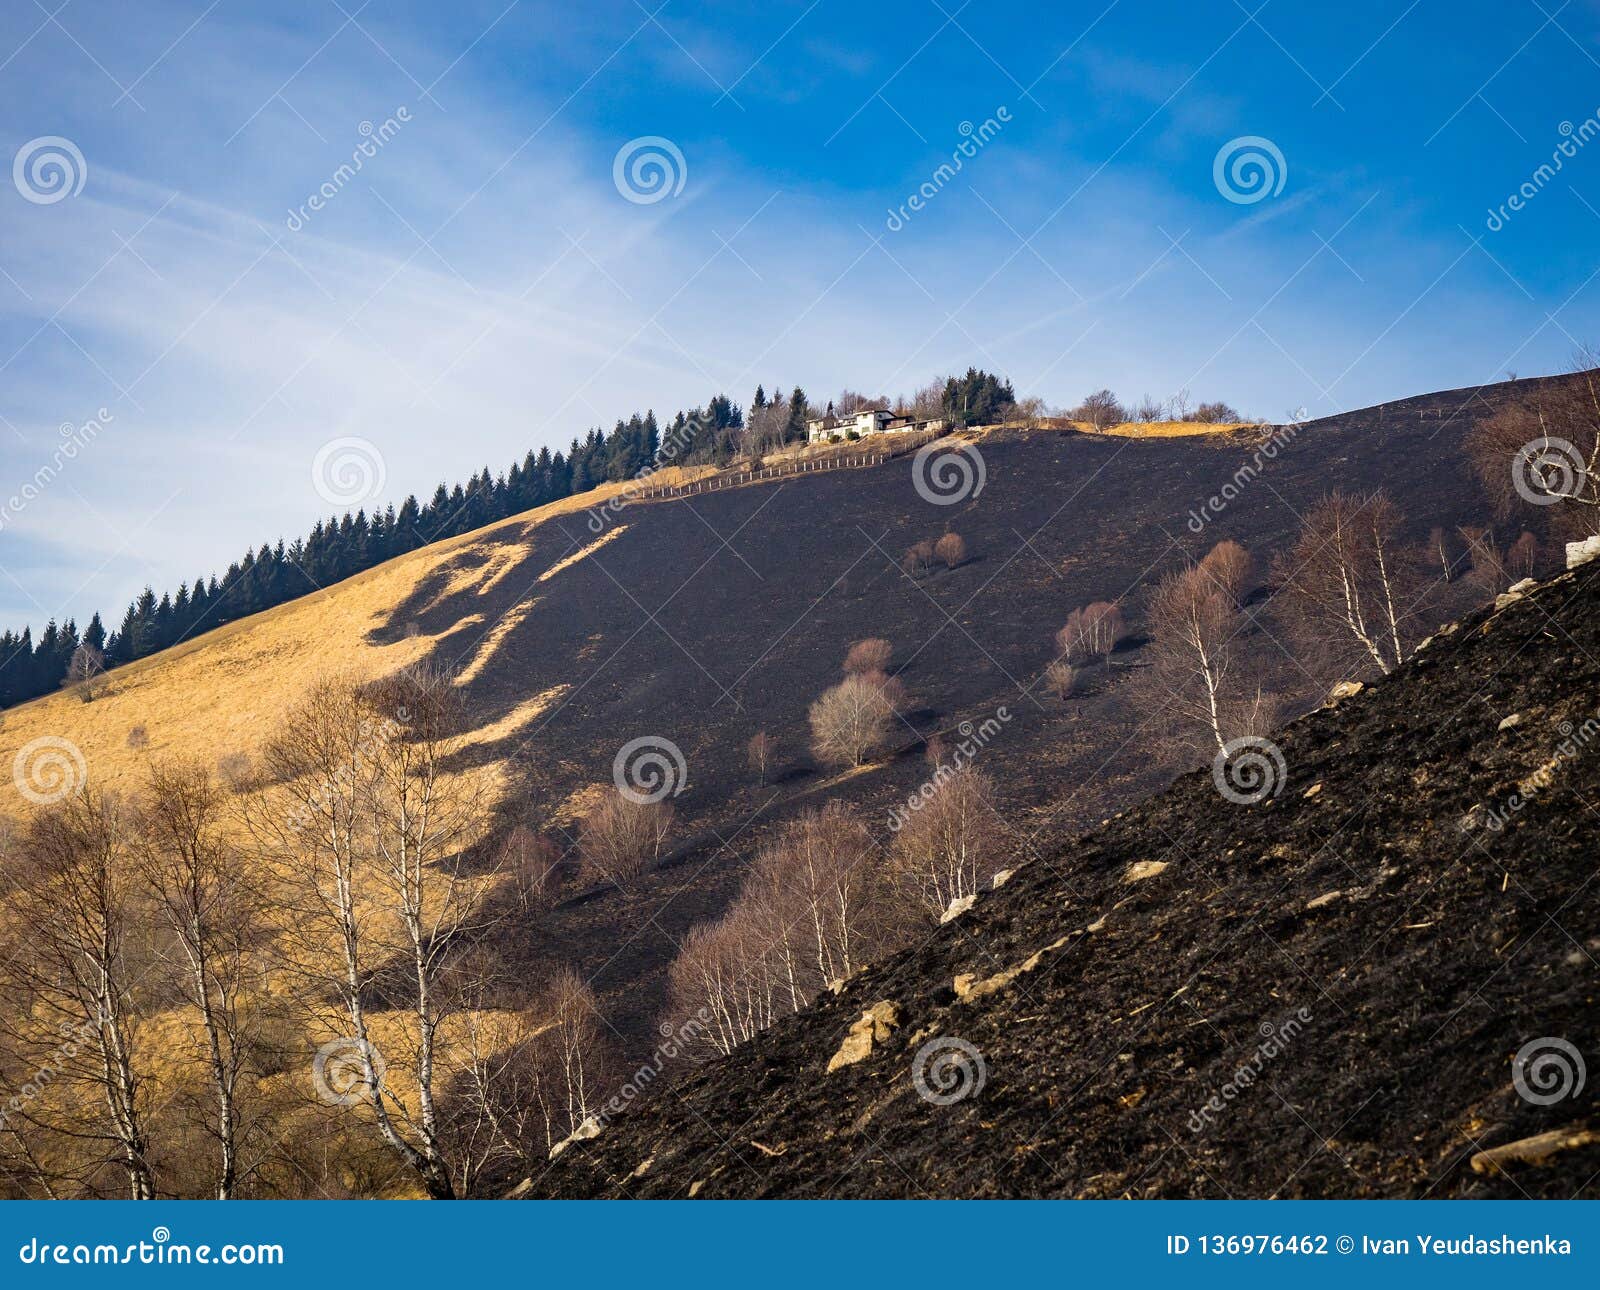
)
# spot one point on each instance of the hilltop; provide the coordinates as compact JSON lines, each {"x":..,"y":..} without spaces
{"x":1323,"y":994}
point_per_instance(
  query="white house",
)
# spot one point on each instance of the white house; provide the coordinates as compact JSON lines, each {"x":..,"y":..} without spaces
{"x":865,"y":422}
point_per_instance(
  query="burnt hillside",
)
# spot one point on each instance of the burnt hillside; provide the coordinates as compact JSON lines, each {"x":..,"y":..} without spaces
{"x":706,"y":620}
{"x":1374,"y":944}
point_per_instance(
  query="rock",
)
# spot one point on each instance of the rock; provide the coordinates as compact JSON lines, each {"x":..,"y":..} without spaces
{"x":1098,"y":925}
{"x":1511,"y":722}
{"x":1139,"y":870}
{"x":957,"y":907}
{"x":1536,"y":1150}
{"x":874,"y":1027}
{"x":644,"y":1167}
{"x":1000,"y":879}
{"x":590,"y":1128}
{"x":1582,"y":552}
{"x":522,"y":1189}
{"x":695,"y":1186}
{"x":968,"y":987}
{"x":1314,"y":789}
{"x":1506,"y":598}
{"x":1327,"y":898}
{"x":1523,"y":586}
{"x":1345,"y":690}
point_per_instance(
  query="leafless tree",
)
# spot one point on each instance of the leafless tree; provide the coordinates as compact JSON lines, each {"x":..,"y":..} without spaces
{"x":214,"y":907}
{"x":1522,"y":556}
{"x":74,"y":1014}
{"x":760,"y":752}
{"x":1217,"y":413}
{"x":1149,"y":409}
{"x":1198,"y":679}
{"x":918,"y":558}
{"x":1091,"y":633}
{"x":1061,"y":679}
{"x":813,"y":909}
{"x":1348,"y":584}
{"x":373,"y":831}
{"x":951,"y":549}
{"x":530,"y":1077}
{"x":847,"y":403}
{"x":1229,"y":566}
{"x":870,"y":655}
{"x":85,"y":672}
{"x":928,"y":402}
{"x":767,"y":428}
{"x":622,"y":837}
{"x":1102,"y":409}
{"x":852,"y":720}
{"x":952,"y":843}
{"x":1545,"y":451}
{"x":532,"y":864}
{"x":1439,"y":549}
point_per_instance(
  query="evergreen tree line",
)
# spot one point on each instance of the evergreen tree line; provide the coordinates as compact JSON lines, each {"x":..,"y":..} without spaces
{"x":344,"y":545}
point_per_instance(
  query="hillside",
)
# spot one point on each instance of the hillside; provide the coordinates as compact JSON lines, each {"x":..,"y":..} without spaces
{"x":1339,"y":979}
{"x":704,"y":620}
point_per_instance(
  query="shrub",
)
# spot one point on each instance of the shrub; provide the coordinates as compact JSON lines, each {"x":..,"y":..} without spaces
{"x":870,"y":655}
{"x":1061,"y":679}
{"x":532,"y":862}
{"x":621,"y":838}
{"x":138,"y":738}
{"x":918,"y":558}
{"x":951,"y":549}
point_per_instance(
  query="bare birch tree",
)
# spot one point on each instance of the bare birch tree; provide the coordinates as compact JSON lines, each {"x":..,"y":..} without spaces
{"x":951,"y":844}
{"x":1348,"y":583}
{"x":1199,"y":681}
{"x":372,"y":831}
{"x":75,"y":1014}
{"x":199,"y":886}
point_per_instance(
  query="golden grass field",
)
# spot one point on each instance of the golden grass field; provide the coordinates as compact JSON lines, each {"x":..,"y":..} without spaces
{"x":223,"y":692}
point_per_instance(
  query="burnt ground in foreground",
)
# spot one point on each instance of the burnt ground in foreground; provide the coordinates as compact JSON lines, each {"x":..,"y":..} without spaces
{"x":1400,"y":948}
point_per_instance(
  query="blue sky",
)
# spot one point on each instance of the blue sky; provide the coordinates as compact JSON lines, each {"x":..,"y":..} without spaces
{"x":483,"y":285}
